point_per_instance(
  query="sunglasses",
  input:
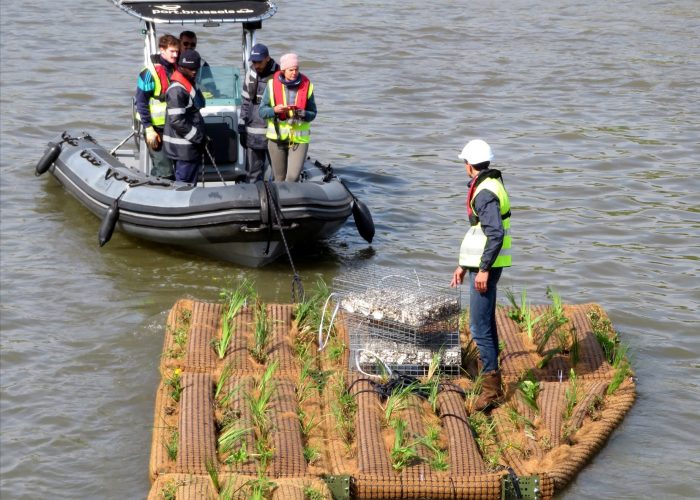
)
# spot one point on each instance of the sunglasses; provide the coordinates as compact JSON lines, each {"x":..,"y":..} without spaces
{"x":189,"y":45}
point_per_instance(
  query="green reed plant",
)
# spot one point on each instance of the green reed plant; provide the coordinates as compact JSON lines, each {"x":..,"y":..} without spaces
{"x":571,"y":395}
{"x":575,"y":348}
{"x":438,"y":460}
{"x":235,"y":300}
{"x":517,"y":311}
{"x":261,"y":333}
{"x":259,"y":400}
{"x":231,"y":438}
{"x":238,"y":455}
{"x":175,"y":383}
{"x":529,"y":389}
{"x":403,"y":453}
{"x":229,"y":490}
{"x":169,"y":490}
{"x":311,"y":493}
{"x":343,"y":408}
{"x":484,"y":428}
{"x":171,"y":444}
{"x":398,"y":400}
{"x":621,"y":368}
{"x":604,"y":333}
{"x":223,"y":378}
{"x":213,"y":472}
{"x":311,"y":454}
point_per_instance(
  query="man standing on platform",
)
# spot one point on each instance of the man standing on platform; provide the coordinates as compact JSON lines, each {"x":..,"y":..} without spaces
{"x":485,"y":251}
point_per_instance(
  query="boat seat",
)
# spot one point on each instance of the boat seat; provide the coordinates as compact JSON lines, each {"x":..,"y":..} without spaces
{"x":223,"y":145}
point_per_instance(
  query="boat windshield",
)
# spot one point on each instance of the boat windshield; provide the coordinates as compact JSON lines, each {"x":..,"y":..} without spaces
{"x":220,"y":84}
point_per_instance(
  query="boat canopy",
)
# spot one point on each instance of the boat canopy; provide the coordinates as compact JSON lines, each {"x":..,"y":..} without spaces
{"x":199,"y":11}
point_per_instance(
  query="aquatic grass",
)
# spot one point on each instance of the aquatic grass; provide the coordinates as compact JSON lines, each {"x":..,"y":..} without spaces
{"x":604,"y":333}
{"x":259,"y":401}
{"x":517,"y":311}
{"x":223,"y":378}
{"x":180,"y":334}
{"x":261,"y":333}
{"x":622,"y":368}
{"x":438,"y":461}
{"x":229,"y":490}
{"x":169,"y":491}
{"x":230,"y":437}
{"x":343,"y":408}
{"x":309,"y":311}
{"x":403,"y":453}
{"x":174,"y":381}
{"x":529,"y":389}
{"x":398,"y":400}
{"x":263,"y":453}
{"x":575,"y":347}
{"x":311,"y":454}
{"x":484,"y":430}
{"x":213,"y":472}
{"x":171,"y":444}
{"x":470,"y":359}
{"x":571,"y":395}
{"x":311,"y":493}
{"x":239,"y":455}
{"x":261,"y":488}
{"x":235,"y":301}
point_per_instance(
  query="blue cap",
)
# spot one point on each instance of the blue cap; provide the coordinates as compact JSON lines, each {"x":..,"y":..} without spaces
{"x":259,"y":53}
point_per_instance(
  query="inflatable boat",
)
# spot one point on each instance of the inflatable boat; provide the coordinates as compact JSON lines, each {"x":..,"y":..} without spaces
{"x":220,"y":216}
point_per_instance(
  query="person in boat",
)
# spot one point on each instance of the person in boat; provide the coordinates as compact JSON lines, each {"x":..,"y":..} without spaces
{"x":251,"y":127}
{"x":184,"y":135}
{"x":153,"y":82}
{"x":188,"y":40}
{"x":289,"y":107}
{"x":485,"y":251}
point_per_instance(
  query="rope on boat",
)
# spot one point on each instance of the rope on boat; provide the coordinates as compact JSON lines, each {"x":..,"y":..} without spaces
{"x":206,"y":148}
{"x":297,"y":286}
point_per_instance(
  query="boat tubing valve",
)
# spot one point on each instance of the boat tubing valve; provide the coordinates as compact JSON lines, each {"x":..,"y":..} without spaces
{"x":50,"y":156}
{"x":109,"y":221}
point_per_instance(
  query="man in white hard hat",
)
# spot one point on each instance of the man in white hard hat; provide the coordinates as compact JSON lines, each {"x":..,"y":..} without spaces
{"x":485,"y":251}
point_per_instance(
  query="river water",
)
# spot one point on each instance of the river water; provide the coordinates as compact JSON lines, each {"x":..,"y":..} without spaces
{"x":591,"y":109}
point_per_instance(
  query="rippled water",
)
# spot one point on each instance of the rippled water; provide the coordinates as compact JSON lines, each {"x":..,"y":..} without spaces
{"x":593,"y":114}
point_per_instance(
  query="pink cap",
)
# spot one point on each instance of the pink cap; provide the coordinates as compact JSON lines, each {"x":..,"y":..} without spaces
{"x":289,"y":61}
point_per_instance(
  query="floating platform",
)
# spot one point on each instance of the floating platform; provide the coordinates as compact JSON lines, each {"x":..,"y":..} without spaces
{"x":326,"y":431}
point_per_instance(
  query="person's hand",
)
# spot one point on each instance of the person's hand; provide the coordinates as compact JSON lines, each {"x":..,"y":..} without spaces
{"x":152,"y":138}
{"x":457,"y":276}
{"x":300,"y":113}
{"x":481,"y":281}
{"x":280,"y":108}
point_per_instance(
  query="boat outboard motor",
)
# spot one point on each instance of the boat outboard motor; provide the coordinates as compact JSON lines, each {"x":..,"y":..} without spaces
{"x":50,"y":156}
{"x":109,"y":221}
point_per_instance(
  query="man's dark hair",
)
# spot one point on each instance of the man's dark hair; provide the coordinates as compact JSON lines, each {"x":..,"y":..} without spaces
{"x":188,"y":34}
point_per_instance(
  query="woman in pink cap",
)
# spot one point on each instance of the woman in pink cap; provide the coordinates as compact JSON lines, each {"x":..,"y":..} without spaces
{"x":289,"y":107}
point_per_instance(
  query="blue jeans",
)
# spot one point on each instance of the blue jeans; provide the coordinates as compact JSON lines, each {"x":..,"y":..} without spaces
{"x":186,"y":171}
{"x":482,"y":319}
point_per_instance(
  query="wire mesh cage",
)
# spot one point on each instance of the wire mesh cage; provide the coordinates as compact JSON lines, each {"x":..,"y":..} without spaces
{"x":399,"y":322}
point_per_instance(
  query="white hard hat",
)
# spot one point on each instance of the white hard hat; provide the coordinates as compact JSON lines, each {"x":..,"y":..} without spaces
{"x":476,"y":151}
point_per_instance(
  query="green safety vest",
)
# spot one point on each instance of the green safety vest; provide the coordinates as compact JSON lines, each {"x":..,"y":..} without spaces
{"x":297,"y":131}
{"x":156,"y":104}
{"x":474,"y":241}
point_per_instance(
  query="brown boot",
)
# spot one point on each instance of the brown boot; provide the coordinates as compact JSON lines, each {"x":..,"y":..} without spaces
{"x":491,"y":392}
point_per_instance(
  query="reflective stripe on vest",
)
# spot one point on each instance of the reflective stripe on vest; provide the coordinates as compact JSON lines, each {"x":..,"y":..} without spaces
{"x":474,"y":241}
{"x":296,"y":130}
{"x":156,"y":104}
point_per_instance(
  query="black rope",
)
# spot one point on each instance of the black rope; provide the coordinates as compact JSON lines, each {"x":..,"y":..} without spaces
{"x":297,"y":286}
